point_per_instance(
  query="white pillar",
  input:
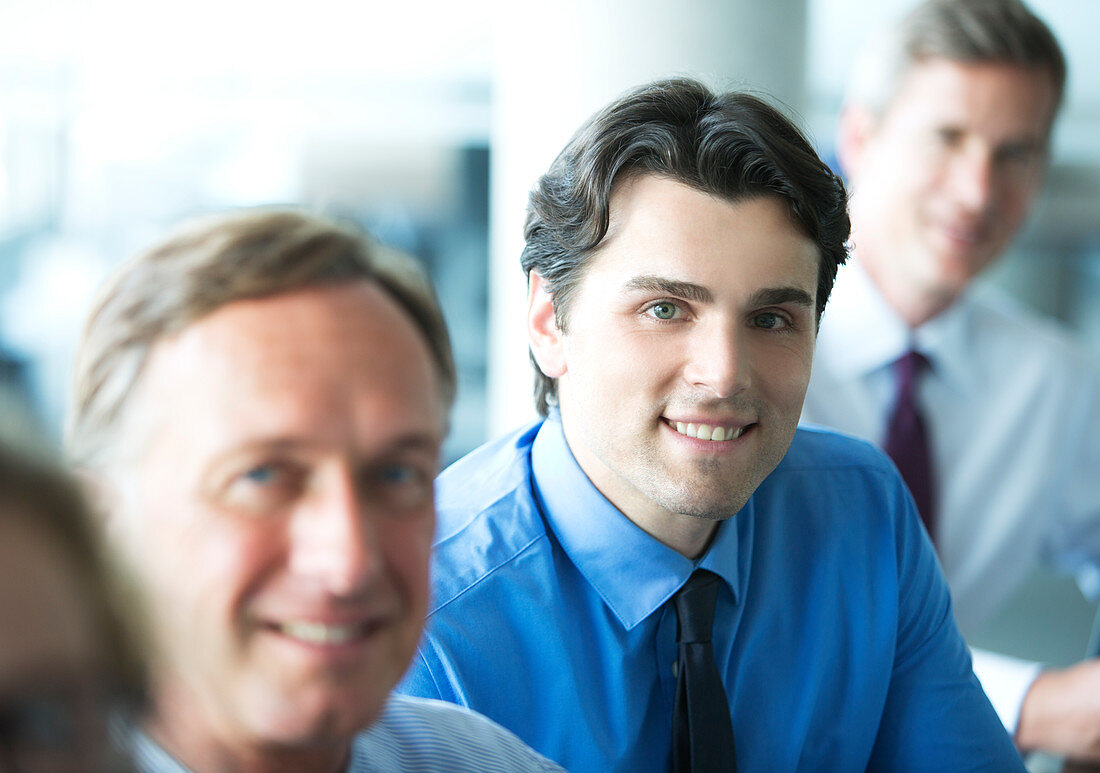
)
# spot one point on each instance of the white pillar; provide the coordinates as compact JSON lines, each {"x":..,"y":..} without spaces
{"x":555,"y":63}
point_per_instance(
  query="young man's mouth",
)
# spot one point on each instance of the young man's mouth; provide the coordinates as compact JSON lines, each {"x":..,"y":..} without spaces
{"x":713,"y":432}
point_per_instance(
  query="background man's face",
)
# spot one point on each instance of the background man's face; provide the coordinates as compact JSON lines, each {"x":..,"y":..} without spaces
{"x":945,"y":177}
{"x":695,"y":312}
{"x":281,"y":513}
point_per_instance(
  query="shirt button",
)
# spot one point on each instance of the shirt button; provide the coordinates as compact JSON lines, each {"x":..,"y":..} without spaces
{"x":676,"y":669}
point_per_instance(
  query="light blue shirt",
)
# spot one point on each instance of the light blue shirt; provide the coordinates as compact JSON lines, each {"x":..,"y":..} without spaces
{"x":833,"y":632}
{"x":411,"y":736}
{"x":1012,"y":407}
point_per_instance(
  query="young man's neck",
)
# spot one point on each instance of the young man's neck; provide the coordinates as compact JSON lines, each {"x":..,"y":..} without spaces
{"x":688,"y":535}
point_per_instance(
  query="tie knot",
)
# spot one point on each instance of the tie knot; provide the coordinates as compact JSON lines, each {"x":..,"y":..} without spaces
{"x":908,"y":367}
{"x":695,"y":607}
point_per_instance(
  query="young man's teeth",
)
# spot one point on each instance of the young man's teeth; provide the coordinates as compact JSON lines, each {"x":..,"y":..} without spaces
{"x":707,"y":432}
{"x":319,"y":633}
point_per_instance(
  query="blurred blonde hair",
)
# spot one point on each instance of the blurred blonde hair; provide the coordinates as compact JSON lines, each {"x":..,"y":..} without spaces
{"x":966,"y":31}
{"x":208,"y":264}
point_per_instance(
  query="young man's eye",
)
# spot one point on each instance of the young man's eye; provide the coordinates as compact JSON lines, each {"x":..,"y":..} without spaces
{"x":770,"y":321}
{"x":664,"y":311}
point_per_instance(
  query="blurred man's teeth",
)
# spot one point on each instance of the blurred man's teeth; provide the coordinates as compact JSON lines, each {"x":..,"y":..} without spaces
{"x":707,"y":432}
{"x":319,"y":633}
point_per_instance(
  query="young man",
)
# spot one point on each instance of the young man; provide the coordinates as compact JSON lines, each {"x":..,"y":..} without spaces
{"x":989,"y":411}
{"x":260,"y":403}
{"x":663,"y":573}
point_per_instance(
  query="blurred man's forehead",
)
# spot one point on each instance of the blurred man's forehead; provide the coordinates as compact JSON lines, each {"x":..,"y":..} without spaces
{"x":974,"y":76}
{"x":289,"y":365}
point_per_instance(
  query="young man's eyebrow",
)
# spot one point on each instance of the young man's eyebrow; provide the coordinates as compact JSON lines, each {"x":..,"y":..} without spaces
{"x":674,"y":287}
{"x":771,"y":296}
{"x":776,"y":296}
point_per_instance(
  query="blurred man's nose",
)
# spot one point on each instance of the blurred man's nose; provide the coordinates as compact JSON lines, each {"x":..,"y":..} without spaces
{"x":333,"y":541}
{"x":973,"y":179}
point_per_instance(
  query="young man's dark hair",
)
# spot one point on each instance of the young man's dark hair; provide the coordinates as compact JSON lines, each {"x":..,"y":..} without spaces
{"x":733,"y":145}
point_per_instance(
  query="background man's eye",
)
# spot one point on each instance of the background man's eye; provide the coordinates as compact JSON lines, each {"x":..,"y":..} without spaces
{"x":397,"y":474}
{"x":767,"y":320}
{"x":664,"y":311}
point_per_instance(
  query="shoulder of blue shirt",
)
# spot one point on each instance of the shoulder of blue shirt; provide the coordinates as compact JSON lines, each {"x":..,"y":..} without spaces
{"x":485,"y":498}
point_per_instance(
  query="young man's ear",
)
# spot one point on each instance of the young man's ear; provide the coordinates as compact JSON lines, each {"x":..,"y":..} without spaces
{"x":542,"y":328}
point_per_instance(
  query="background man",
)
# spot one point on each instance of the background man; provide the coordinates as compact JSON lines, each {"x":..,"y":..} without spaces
{"x":990,"y":413}
{"x":261,"y":401}
{"x":655,"y":574}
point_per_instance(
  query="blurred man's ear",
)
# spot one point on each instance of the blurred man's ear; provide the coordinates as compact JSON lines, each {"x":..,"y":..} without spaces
{"x":854,"y":131}
{"x":542,"y":328}
{"x":103,"y":496}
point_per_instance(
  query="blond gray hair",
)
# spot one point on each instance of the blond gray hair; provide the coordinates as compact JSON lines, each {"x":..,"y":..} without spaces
{"x":210,"y":264}
{"x":965,"y":31}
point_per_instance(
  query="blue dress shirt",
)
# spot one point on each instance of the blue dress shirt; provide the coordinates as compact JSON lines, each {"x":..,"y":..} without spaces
{"x":833,"y":631}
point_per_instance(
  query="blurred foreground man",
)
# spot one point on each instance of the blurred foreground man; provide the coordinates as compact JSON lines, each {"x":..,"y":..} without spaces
{"x":990,"y":412}
{"x":662,"y":574}
{"x":260,"y":402}
{"x":68,"y":656}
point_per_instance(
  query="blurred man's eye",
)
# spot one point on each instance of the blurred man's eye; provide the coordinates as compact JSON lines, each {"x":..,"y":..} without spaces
{"x":262,"y":475}
{"x":948,"y":136}
{"x":400,"y":485}
{"x":397,"y":474}
{"x":263,"y":487}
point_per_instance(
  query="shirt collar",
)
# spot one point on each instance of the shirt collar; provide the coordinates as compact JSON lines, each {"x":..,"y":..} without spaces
{"x":858,"y":314}
{"x":632,"y":572}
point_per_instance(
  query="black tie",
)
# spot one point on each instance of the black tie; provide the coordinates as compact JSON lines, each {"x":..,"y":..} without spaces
{"x":702,"y":732}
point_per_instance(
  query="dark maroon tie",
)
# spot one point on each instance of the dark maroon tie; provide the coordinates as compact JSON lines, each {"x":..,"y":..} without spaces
{"x":907,"y":440}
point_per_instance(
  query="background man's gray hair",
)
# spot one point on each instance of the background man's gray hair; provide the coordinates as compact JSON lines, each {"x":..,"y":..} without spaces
{"x":212,"y":263}
{"x":965,"y":31}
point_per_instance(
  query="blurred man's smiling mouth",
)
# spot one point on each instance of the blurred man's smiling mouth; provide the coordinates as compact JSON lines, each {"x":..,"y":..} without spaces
{"x":309,"y":632}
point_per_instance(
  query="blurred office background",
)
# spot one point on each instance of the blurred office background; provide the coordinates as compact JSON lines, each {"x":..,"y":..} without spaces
{"x":427,"y":122}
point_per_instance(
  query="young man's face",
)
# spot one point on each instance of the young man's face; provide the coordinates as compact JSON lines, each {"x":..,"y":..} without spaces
{"x":281,"y":512}
{"x":945,"y":177}
{"x":696,"y":312}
